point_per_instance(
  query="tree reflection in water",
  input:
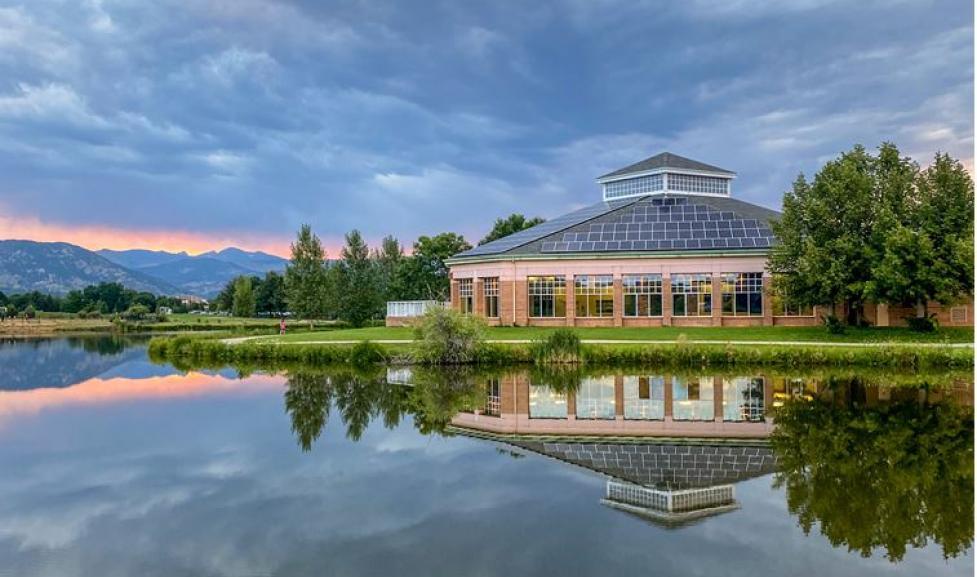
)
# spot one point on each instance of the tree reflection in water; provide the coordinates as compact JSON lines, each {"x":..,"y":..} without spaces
{"x":362,"y":396}
{"x":879,"y":477}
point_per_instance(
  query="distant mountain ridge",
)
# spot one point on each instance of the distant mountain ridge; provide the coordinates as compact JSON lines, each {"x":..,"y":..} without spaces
{"x":203,"y":274}
{"x":59,"y":267}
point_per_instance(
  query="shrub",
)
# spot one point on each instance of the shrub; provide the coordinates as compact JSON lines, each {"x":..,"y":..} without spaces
{"x":366,"y":353}
{"x":560,"y":346}
{"x":445,"y":337}
{"x":834,"y":324}
{"x":29,"y":312}
{"x":135,"y":313}
{"x":925,"y":324}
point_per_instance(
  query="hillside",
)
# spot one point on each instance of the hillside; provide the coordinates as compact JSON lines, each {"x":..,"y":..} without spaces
{"x":58,"y":267}
{"x":198,"y":275}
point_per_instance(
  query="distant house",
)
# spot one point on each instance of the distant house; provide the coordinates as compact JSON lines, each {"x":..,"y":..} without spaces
{"x":188,"y":300}
{"x":667,"y":245}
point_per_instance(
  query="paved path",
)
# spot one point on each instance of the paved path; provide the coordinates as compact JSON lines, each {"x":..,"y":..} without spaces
{"x":236,"y":340}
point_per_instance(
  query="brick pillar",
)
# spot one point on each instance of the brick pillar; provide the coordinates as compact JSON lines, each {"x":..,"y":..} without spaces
{"x":455,"y":300}
{"x":717,"y":301}
{"x":767,"y":301}
{"x":882,"y":315}
{"x":571,"y":303}
{"x":618,"y":302}
{"x":521,"y":302}
{"x":717,"y":397}
{"x":479,"y":297}
{"x":767,"y":393}
{"x":667,"y":310}
{"x":668,"y":398}
{"x":571,"y":405}
{"x":619,"y":396}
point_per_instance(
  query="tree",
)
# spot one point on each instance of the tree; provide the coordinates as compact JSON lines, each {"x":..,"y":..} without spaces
{"x":927,"y":251}
{"x":424,"y":275}
{"x":359,"y":297}
{"x":509,"y":225}
{"x":305,"y":276}
{"x":244,"y":300}
{"x":270,"y":293}
{"x":388,"y":259}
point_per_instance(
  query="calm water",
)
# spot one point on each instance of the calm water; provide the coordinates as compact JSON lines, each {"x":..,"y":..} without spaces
{"x":113,"y":465}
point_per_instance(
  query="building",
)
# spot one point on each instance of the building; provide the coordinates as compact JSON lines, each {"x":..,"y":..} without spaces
{"x":667,"y":245}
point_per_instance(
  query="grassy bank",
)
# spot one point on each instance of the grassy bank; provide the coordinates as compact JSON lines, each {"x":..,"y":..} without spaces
{"x":183,"y":349}
{"x":48,"y":324}
{"x":718,"y":334}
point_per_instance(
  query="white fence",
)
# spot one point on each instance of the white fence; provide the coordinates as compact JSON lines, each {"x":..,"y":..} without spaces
{"x":406,"y":309}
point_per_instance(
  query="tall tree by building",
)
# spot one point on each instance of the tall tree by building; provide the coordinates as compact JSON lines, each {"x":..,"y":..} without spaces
{"x":359,"y":295}
{"x":244,"y":298}
{"x":305,"y":276}
{"x":511,"y":224}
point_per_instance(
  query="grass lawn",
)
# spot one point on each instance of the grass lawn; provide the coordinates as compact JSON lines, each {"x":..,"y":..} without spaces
{"x":719,"y":334}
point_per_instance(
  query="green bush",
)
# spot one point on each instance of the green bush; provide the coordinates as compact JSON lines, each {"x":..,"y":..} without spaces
{"x":834,"y":324}
{"x":446,"y":337}
{"x":560,"y":346}
{"x":366,"y":353}
{"x":927,"y":324}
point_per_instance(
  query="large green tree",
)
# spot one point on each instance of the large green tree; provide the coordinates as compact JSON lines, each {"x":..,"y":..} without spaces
{"x":872,"y":227}
{"x":424,"y":276}
{"x":359,"y":295}
{"x":926,"y":246}
{"x":270,"y":293}
{"x":388,"y":259}
{"x":509,"y":225}
{"x":305,"y":276}
{"x":244,"y":297}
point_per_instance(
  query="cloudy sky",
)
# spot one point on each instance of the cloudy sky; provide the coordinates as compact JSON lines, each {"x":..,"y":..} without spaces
{"x":196,"y":124}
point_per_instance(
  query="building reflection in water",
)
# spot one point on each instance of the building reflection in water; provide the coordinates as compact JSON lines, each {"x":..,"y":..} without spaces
{"x":671,"y":446}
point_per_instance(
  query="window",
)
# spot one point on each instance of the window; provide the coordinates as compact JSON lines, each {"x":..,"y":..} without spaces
{"x":691,"y":295}
{"x":633,"y":186}
{"x":493,"y":398}
{"x":743,"y":399}
{"x":490,"y":291}
{"x":742,"y":294}
{"x":595,"y":398}
{"x":958,"y":315}
{"x":466,"y":293}
{"x":594,"y":296}
{"x":692,"y":398}
{"x":642,"y":295}
{"x":644,"y":398}
{"x":546,"y":403}
{"x":547,"y":296}
{"x":700,"y":184}
{"x":781,"y":306}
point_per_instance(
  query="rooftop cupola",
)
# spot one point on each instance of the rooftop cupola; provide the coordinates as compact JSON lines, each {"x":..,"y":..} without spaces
{"x":666,"y":173}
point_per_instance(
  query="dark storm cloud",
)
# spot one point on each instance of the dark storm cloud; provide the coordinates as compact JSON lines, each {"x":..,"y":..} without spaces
{"x":217,"y":116}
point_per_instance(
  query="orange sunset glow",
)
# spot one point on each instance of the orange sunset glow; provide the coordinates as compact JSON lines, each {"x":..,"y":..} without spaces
{"x":98,"y":391}
{"x":98,"y":237}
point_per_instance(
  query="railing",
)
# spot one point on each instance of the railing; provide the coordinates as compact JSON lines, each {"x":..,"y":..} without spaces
{"x":404,"y":309}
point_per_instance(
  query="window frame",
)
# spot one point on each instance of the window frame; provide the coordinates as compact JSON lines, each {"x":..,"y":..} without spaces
{"x":741,"y":286}
{"x":638,"y":288}
{"x":466,"y":296}
{"x":543,"y":289}
{"x":701,"y":298}
{"x":592,"y":294}
{"x":490,"y":297}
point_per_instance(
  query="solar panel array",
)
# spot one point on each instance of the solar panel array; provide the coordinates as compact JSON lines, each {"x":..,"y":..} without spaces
{"x":547,"y":228}
{"x":681,"y":223}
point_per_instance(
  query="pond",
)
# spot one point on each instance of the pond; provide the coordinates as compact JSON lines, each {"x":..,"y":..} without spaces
{"x":111,"y":464}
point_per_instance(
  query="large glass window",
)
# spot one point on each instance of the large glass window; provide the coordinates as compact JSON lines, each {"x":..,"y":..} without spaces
{"x":547,"y":296}
{"x":743,"y":399}
{"x":700,"y":184}
{"x":466,"y":293}
{"x":546,"y":403}
{"x":595,"y":398}
{"x":692,"y":398}
{"x":633,"y":186}
{"x":594,"y":295}
{"x":642,"y":295}
{"x":784,"y":308}
{"x":742,"y":294}
{"x":691,"y":295}
{"x":644,"y":398}
{"x":490,"y":292}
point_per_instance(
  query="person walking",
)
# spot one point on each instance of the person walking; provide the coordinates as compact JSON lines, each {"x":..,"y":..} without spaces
{"x":281,"y":326}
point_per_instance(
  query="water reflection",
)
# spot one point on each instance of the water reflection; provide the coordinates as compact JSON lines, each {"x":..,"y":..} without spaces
{"x":878,"y":469}
{"x":30,"y":363}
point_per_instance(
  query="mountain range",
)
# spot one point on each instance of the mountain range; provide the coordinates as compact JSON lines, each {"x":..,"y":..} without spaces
{"x":58,"y":267}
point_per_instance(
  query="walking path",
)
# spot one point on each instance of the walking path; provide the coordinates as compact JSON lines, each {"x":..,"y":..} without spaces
{"x":236,"y":340}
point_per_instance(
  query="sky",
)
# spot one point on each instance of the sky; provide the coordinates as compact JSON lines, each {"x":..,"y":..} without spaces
{"x":198,"y":124}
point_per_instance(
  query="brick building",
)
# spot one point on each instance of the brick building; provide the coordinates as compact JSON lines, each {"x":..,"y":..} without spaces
{"x":667,"y":245}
